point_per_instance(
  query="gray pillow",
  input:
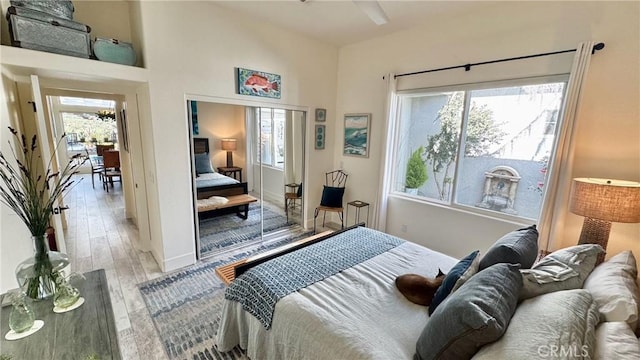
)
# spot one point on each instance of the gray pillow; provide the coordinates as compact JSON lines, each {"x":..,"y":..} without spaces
{"x":559,"y":325}
{"x":476,"y":314}
{"x":517,"y":247}
{"x":203,"y":164}
{"x":564,"y":269}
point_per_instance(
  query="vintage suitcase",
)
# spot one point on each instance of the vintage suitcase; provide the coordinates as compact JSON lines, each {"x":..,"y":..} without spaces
{"x":36,"y":30}
{"x":115,"y":51}
{"x":59,"y":8}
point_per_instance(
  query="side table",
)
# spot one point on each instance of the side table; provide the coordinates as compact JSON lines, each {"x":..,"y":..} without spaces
{"x":231,"y":171}
{"x":358,"y":205}
{"x":76,"y":334}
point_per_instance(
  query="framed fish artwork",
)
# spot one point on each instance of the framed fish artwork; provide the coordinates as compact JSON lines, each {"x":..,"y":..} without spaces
{"x":258,"y":83}
{"x":356,"y":134}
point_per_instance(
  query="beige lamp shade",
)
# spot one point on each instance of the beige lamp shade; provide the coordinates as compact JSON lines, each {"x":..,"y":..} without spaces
{"x":229,"y":144}
{"x":604,"y":199}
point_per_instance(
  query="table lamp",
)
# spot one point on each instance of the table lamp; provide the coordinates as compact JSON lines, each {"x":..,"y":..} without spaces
{"x":229,"y":145}
{"x":601,"y":202}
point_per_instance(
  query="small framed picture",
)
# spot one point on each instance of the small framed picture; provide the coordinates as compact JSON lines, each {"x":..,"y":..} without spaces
{"x":321,"y":114}
{"x":356,"y":134}
{"x":320,"y":136}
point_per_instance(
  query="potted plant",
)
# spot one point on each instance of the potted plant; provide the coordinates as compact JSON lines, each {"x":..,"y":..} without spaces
{"x":416,"y":172}
{"x":31,"y":194}
{"x":106,"y":115}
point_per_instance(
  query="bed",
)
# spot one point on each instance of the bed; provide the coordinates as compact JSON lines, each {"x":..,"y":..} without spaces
{"x":358,"y":313}
{"x":213,"y":184}
{"x":210,"y":183}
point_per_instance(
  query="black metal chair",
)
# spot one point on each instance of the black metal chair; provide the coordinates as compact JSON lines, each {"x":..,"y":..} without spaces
{"x":291,"y":197}
{"x":97,"y":167}
{"x":332,"y":194}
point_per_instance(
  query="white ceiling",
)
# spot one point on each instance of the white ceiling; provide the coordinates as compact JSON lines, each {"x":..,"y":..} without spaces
{"x":342,"y":22}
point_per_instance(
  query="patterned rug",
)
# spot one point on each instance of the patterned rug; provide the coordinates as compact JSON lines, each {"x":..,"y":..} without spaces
{"x":230,"y":231}
{"x":185,"y":305}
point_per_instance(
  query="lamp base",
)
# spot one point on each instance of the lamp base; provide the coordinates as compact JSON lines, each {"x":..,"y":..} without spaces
{"x":595,"y":231}
{"x":229,"y":159}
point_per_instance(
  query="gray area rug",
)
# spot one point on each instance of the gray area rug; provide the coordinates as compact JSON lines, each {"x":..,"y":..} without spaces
{"x":185,"y":306}
{"x":230,"y":231}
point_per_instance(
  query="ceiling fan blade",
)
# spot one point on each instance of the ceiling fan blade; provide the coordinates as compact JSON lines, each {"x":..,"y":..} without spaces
{"x":373,"y":10}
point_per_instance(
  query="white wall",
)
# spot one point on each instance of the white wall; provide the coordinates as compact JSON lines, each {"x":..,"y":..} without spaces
{"x":608,"y":126}
{"x":193,"y":48}
{"x":16,"y":245}
{"x":220,"y":121}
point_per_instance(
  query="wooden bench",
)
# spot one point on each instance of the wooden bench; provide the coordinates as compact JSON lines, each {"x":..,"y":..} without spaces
{"x":241,"y":202}
{"x":227,"y":273}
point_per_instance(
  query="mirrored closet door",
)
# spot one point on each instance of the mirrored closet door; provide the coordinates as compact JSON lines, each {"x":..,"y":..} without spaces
{"x":252,"y":192}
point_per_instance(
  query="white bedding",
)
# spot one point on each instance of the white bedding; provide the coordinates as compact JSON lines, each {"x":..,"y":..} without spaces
{"x":356,"y":314}
{"x":213,"y":179}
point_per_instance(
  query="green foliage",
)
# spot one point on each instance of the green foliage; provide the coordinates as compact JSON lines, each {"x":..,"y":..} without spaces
{"x":6,"y":357}
{"x":88,"y":126}
{"x":416,"y":170}
{"x":442,"y":148}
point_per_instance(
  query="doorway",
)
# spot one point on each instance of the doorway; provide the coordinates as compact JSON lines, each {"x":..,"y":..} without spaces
{"x":69,"y":99}
{"x":90,"y":127}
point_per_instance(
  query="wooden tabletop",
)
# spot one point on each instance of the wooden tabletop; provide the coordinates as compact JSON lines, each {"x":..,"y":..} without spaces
{"x":77,"y":334}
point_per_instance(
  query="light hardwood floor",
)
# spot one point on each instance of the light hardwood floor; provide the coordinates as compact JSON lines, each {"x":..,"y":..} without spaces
{"x":98,"y":236}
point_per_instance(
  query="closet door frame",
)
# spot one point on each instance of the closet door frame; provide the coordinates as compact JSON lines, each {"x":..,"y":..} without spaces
{"x":246,"y":103}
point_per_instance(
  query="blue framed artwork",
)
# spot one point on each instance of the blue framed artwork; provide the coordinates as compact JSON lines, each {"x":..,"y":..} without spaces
{"x":356,"y":134}
{"x":258,"y":83}
{"x":320,"y":136}
{"x":193,"y":114}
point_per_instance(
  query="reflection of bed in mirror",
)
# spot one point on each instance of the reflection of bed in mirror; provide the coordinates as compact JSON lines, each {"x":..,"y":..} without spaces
{"x":215,"y":184}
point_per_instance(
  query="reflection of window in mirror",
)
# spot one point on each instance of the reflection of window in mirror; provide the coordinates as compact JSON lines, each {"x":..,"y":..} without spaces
{"x":272,"y":136}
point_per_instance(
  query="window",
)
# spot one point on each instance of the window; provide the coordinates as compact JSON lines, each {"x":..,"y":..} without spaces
{"x":499,"y":165}
{"x":65,"y":100}
{"x":271,"y":123}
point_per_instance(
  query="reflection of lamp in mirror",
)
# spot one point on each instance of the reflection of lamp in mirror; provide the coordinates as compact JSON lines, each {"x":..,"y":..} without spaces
{"x":602,"y":201}
{"x":229,"y":145}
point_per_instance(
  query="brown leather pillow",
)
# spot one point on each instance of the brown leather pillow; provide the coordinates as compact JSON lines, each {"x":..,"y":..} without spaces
{"x":419,"y":289}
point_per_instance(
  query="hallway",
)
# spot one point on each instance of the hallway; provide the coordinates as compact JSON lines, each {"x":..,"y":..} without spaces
{"x":99,"y":237}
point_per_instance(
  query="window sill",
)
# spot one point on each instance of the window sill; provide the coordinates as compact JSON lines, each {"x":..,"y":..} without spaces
{"x":469,"y":210}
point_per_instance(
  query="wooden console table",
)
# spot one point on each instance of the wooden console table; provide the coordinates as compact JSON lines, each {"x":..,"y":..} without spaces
{"x":77,"y":334}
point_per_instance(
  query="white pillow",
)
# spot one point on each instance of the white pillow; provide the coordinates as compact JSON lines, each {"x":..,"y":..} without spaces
{"x":211,"y":203}
{"x":563,"y":269}
{"x":616,"y":340}
{"x":613,"y":286}
{"x":217,"y":200}
{"x":558,"y":325}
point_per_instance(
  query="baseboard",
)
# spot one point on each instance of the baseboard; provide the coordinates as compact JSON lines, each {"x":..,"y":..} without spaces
{"x":178,"y":262}
{"x":274,"y":198}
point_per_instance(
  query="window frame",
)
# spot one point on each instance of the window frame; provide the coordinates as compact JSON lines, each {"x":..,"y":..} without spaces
{"x":467,"y":88}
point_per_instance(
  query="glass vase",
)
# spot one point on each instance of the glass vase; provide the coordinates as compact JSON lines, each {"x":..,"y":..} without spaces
{"x":36,"y":275}
{"x":66,"y":295}
{"x":21,"y":317}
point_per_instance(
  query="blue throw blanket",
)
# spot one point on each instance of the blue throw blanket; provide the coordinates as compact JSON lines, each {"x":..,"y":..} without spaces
{"x":262,"y":286}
